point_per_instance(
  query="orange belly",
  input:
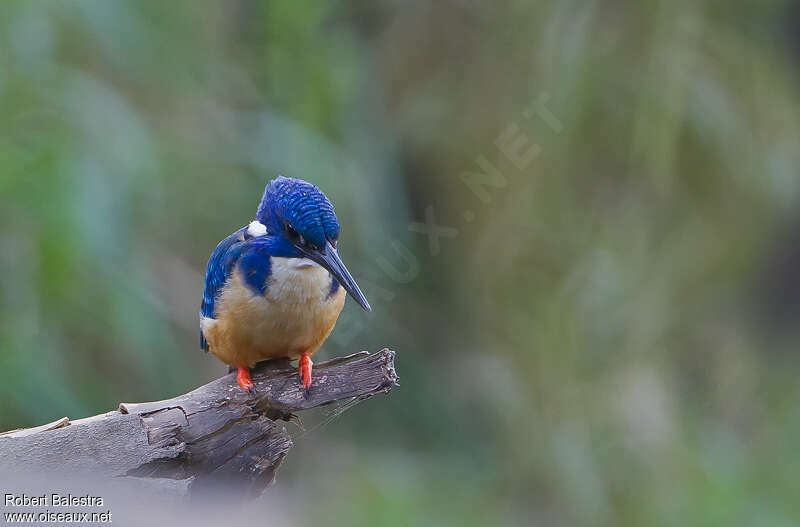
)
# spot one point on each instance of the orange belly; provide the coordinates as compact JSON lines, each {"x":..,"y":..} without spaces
{"x":295,"y":315}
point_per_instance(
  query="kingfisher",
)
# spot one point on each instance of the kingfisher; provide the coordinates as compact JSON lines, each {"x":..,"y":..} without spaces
{"x":275,"y":287}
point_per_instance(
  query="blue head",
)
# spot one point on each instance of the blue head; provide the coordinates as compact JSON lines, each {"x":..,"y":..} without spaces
{"x":302,"y":217}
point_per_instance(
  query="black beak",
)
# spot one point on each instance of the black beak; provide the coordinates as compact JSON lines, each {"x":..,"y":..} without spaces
{"x":329,"y":258}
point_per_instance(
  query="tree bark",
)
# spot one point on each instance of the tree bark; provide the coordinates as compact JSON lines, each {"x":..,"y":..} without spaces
{"x":190,"y":444}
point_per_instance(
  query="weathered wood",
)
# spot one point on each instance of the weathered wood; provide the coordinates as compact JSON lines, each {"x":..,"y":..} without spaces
{"x":214,"y":434}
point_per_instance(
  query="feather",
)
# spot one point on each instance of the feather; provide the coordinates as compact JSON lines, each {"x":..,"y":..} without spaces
{"x":219,"y":269}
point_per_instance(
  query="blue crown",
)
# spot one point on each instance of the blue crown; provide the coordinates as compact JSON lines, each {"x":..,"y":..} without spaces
{"x":290,"y":202}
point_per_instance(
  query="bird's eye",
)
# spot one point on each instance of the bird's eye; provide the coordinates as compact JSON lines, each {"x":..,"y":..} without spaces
{"x":294,"y":236}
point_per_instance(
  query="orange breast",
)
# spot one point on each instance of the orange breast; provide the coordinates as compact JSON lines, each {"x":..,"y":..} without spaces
{"x":295,"y":315}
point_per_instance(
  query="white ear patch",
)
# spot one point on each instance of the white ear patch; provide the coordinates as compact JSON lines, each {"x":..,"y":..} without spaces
{"x":256,"y":229}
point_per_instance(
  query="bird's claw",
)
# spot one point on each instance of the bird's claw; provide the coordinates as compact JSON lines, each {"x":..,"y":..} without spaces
{"x":244,"y":381}
{"x":304,"y":369}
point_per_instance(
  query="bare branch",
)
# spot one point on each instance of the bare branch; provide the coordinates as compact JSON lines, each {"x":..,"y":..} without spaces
{"x":214,"y":434}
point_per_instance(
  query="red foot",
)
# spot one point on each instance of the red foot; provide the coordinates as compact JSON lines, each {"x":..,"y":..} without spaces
{"x":304,"y":368}
{"x":244,"y":380}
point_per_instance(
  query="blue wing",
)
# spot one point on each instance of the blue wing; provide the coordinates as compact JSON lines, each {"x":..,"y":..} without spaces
{"x":219,"y":269}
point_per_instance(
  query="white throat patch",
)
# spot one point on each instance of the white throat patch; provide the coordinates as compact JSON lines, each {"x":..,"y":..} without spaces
{"x":256,"y":229}
{"x":303,"y":263}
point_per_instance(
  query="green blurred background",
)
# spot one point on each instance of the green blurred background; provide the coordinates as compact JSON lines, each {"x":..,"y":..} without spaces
{"x":606,"y":335}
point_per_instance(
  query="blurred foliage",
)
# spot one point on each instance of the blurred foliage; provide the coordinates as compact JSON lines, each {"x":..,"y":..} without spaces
{"x":611,"y":339}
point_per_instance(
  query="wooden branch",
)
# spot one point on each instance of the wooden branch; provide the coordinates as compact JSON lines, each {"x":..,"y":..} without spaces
{"x":193,"y":442}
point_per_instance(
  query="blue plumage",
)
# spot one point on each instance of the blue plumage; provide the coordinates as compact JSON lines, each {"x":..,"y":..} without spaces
{"x":219,"y":269}
{"x":334,"y":287}
{"x":301,"y":205}
{"x":255,"y":266}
